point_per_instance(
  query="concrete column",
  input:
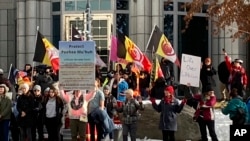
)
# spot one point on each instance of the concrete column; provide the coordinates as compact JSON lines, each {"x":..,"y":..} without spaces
{"x":157,"y":13}
{"x":21,"y":28}
{"x":31,"y":26}
{"x":45,"y":19}
{"x":143,"y":24}
{"x":235,"y":49}
{"x":132,"y":19}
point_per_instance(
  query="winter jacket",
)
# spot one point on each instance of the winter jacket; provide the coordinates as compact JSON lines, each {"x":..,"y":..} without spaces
{"x":232,"y":105}
{"x":168,"y":116}
{"x":205,"y":108}
{"x":5,"y":108}
{"x":25,"y":103}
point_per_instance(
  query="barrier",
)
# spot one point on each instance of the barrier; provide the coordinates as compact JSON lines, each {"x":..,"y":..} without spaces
{"x":88,"y":133}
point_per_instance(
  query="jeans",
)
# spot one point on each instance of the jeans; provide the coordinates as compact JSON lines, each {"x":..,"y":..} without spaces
{"x":168,"y":135}
{"x":4,"y":130}
{"x":131,"y":129}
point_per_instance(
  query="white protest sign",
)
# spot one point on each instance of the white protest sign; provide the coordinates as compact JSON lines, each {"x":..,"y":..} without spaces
{"x":77,"y":65}
{"x":190,"y":70}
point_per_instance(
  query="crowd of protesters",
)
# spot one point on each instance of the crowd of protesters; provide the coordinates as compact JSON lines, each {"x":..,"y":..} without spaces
{"x":40,"y":102}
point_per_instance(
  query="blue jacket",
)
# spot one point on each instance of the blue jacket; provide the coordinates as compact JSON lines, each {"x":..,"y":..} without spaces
{"x":101,"y":116}
{"x":232,"y":105}
{"x":248,"y":107}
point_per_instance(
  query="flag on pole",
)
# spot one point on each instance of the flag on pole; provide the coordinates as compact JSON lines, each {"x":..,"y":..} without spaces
{"x":156,"y":71}
{"x":113,"y":49}
{"x":75,"y":35}
{"x":46,"y":53}
{"x":163,"y":47}
{"x":128,"y":50}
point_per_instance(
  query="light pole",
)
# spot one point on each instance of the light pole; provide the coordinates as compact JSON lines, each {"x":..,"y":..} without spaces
{"x":89,"y":21}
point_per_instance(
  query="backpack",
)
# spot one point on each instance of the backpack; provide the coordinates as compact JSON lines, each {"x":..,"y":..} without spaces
{"x":240,"y":117}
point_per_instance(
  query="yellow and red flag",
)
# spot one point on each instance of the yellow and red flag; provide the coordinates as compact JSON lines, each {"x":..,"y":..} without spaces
{"x":46,"y":53}
{"x":163,"y":47}
{"x":156,"y":71}
{"x":128,"y":50}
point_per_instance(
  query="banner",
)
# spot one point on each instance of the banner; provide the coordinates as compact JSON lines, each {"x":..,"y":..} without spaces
{"x":77,"y":65}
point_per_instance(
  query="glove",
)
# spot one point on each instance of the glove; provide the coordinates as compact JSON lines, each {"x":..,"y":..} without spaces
{"x":184,"y":101}
{"x":152,"y":100}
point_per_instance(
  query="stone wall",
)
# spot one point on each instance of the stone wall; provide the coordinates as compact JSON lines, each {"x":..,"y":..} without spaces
{"x":148,"y":125}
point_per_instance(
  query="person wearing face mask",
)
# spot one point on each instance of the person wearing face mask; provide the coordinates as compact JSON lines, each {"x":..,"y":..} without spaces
{"x":169,"y":106}
{"x":38,"y":114}
{"x":25,"y":107}
{"x":5,"y":113}
{"x":77,"y":110}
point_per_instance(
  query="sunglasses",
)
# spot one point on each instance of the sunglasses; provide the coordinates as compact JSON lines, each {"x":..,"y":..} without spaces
{"x":36,"y":90}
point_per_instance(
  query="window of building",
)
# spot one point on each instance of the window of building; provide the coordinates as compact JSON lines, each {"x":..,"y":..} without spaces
{"x":122,"y":5}
{"x":56,"y":6}
{"x":81,"y":5}
{"x":122,"y":23}
{"x":56,"y":30}
{"x":95,"y":4}
{"x":105,"y":4}
{"x":69,"y":5}
{"x":169,"y":27}
{"x":168,"y":5}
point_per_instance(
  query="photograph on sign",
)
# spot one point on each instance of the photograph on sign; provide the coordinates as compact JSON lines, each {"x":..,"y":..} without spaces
{"x":190,"y":70}
{"x":77,"y":65}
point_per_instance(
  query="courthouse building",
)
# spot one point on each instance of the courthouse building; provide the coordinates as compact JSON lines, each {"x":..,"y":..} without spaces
{"x":19,"y":20}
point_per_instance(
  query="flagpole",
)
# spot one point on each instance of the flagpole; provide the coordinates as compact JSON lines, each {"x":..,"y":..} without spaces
{"x":149,"y":39}
{"x":32,"y":69}
{"x":32,"y":72}
{"x":9,"y":71}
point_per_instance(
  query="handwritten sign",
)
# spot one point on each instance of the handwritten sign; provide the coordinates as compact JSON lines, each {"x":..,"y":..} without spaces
{"x":77,"y":65}
{"x":190,"y":70}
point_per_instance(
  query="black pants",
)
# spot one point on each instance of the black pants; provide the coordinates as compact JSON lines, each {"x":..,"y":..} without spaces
{"x":92,"y":126}
{"x":168,"y":135}
{"x":210,"y":125}
{"x":38,"y":126}
{"x":53,"y":128}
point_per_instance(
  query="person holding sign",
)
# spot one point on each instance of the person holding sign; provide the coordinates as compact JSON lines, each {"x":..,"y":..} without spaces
{"x":77,"y":108}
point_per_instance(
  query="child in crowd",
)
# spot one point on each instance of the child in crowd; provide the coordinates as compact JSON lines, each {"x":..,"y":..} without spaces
{"x":168,"y":108}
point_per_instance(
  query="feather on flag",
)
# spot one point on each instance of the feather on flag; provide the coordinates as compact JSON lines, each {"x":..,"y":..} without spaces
{"x":46,"y":53}
{"x":128,"y":50}
{"x":163,"y":47}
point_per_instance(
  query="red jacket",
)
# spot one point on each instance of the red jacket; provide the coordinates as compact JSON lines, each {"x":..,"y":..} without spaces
{"x":205,"y":107}
{"x":232,"y":69}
